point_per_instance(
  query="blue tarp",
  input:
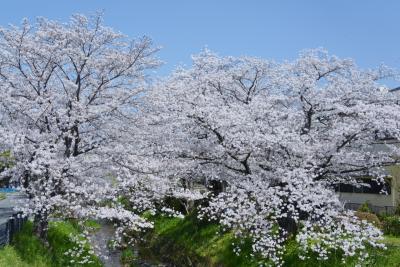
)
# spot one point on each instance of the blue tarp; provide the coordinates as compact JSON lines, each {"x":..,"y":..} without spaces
{"x":8,"y":190}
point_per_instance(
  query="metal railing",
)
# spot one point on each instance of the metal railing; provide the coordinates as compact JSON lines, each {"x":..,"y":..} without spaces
{"x":373,"y":208}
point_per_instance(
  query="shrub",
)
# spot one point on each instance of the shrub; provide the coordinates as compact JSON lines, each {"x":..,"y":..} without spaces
{"x":364,"y":208}
{"x":391,"y":225}
{"x":369,"y":217}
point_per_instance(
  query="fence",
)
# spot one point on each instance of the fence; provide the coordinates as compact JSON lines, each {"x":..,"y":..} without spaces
{"x":373,"y":208}
{"x":10,"y":224}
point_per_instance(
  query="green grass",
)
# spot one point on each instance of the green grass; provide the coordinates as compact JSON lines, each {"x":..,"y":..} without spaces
{"x":94,"y":225}
{"x":189,"y":241}
{"x":2,"y":196}
{"x":392,"y":241}
{"x":9,"y":256}
{"x":27,"y":250}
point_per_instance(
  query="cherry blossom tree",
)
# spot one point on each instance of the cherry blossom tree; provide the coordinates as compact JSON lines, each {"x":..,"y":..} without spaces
{"x":85,"y":134}
{"x":281,"y":136}
{"x":69,"y":93}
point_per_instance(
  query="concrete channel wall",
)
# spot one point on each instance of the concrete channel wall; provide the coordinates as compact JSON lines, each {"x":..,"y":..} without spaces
{"x":11,"y":221}
{"x":9,"y":227}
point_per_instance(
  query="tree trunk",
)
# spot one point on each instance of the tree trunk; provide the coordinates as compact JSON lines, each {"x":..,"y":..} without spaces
{"x":217,"y":186}
{"x":40,"y":226}
{"x":289,"y":225}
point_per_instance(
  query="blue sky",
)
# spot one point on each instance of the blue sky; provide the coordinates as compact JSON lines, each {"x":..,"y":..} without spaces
{"x":366,"y":30}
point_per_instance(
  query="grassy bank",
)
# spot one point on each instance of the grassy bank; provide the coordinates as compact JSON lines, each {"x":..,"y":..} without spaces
{"x":189,"y":242}
{"x":27,"y":250}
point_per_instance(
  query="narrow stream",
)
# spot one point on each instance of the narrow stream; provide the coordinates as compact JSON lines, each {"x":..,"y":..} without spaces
{"x":99,"y":241}
{"x":111,"y":258}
